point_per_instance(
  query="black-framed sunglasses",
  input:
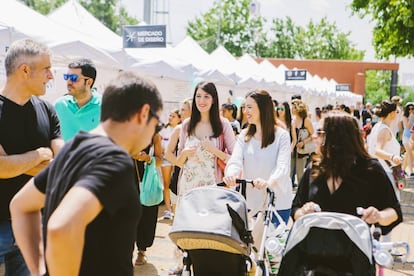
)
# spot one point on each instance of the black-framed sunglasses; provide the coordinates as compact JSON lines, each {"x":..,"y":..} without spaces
{"x":159,"y":125}
{"x":73,"y":77}
{"x":320,"y":132}
{"x":280,"y":108}
{"x":154,"y":114}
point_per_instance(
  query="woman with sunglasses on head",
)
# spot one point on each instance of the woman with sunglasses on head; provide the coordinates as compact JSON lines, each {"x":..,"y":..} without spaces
{"x":166,"y":131}
{"x":262,"y":153}
{"x":283,"y":114}
{"x":300,"y":121}
{"x":408,"y":123}
{"x":345,"y":176}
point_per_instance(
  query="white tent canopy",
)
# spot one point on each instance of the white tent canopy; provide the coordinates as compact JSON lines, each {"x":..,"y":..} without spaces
{"x":75,"y":17}
{"x":44,"y":30}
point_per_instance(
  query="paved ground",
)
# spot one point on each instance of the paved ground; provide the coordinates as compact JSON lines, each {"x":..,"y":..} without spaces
{"x":160,"y":255}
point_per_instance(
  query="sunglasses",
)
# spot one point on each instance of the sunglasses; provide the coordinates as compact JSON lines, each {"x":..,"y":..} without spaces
{"x":320,"y":132}
{"x":159,"y":125}
{"x":72,"y":77}
{"x":280,"y":108}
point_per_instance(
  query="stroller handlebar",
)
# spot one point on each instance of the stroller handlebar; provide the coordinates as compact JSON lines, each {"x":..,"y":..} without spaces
{"x":243,"y":183}
{"x":383,"y":251}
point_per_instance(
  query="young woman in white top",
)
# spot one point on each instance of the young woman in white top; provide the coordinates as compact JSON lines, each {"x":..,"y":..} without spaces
{"x":381,"y":142}
{"x":262,"y":153}
{"x":166,"y":168}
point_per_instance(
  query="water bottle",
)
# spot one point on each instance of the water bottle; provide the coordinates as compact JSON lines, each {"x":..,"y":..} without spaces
{"x":383,"y":258}
{"x":273,"y":246}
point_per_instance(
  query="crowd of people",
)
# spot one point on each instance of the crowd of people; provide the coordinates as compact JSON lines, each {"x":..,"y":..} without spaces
{"x":70,"y":172}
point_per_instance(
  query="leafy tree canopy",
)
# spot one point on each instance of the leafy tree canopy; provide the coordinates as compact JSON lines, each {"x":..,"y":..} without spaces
{"x":393,"y":34}
{"x":230,"y":24}
{"x":104,"y":11}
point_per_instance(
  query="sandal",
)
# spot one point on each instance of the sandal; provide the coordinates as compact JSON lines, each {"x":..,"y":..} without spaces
{"x":141,"y":259}
{"x":175,"y":271}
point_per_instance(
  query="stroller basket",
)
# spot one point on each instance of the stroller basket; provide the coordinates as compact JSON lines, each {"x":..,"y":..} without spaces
{"x":204,"y":221}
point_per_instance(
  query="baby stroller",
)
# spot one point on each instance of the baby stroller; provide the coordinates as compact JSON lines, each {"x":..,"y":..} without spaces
{"x":326,"y":243}
{"x":211,"y":227}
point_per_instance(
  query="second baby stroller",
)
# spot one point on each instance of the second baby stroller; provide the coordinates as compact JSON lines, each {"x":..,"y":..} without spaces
{"x":325,"y":243}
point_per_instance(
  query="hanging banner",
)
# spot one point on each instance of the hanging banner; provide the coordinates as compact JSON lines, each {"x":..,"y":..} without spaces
{"x":343,"y":87}
{"x":147,"y":36}
{"x":295,"y":75}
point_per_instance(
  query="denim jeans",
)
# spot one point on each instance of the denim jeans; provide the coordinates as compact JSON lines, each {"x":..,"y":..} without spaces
{"x":10,"y":254}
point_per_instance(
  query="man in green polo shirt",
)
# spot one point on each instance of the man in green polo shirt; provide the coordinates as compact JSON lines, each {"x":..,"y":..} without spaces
{"x":80,"y":109}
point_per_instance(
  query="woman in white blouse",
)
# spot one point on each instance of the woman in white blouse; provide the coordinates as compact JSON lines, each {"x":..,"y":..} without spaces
{"x":262,"y":154}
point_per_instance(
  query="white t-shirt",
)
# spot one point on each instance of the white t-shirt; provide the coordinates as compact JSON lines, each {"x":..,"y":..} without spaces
{"x":272,"y":162}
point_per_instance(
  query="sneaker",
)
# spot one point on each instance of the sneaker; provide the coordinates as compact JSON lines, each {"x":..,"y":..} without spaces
{"x":167,"y":215}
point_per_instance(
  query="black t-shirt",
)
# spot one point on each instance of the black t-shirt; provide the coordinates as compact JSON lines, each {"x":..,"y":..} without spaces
{"x":22,"y":129}
{"x":366,"y":185}
{"x":94,"y":162}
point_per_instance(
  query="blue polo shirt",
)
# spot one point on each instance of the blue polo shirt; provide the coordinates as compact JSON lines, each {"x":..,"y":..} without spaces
{"x":73,"y":119}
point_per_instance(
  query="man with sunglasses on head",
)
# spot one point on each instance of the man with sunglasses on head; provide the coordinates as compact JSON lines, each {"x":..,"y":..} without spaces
{"x":29,"y":135}
{"x":80,"y":109}
{"x":89,"y":193}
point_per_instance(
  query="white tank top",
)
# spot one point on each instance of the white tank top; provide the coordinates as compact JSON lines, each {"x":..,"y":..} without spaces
{"x":392,"y":146}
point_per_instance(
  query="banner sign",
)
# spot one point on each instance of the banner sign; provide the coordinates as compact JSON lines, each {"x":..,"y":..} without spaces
{"x":147,"y":36}
{"x":343,"y":87}
{"x":295,"y":75}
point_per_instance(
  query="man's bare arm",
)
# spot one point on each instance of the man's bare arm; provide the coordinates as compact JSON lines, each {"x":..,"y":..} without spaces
{"x":56,"y":146}
{"x":17,"y":164}
{"x":26,"y":222}
{"x":66,"y":231}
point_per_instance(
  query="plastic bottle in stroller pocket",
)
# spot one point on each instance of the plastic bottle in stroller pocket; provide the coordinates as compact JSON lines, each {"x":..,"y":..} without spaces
{"x":273,"y":246}
{"x":382,"y":257}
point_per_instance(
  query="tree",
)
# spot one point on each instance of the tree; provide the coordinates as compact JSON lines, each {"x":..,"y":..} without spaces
{"x":320,"y":40}
{"x":377,"y":85}
{"x":393,"y":33}
{"x":104,"y":11}
{"x":323,"y":40}
{"x":230,"y":24}
{"x":282,"y":39}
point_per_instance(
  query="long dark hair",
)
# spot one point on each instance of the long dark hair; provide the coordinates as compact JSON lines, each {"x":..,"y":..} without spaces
{"x":342,"y":145}
{"x":288,"y":115}
{"x":267,"y":118}
{"x":215,"y":121}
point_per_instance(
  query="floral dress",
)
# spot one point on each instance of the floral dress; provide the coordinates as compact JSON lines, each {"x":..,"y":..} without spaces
{"x":198,"y":170}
